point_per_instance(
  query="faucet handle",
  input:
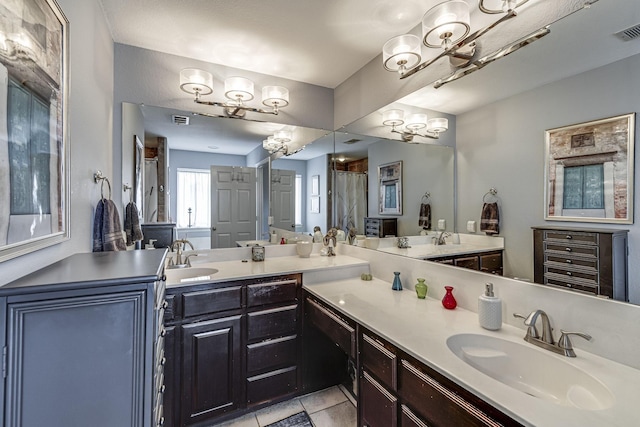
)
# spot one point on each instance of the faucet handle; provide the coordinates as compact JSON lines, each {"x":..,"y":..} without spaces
{"x":565,"y":343}
{"x":188,"y":261}
{"x":531,"y":327}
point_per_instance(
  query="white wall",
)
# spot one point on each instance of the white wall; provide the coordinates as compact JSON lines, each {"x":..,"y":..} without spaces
{"x":425,"y":168}
{"x":318,"y":166}
{"x":502,"y":146}
{"x":90,"y":131}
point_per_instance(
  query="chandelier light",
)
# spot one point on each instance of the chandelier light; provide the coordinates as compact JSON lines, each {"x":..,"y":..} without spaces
{"x":237,"y":90}
{"x":445,"y":26}
{"x":417,"y":124}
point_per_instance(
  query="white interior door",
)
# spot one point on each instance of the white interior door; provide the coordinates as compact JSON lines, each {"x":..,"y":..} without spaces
{"x":282,"y":203}
{"x":233,"y":205}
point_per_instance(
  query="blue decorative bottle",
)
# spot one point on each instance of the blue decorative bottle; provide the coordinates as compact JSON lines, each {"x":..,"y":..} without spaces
{"x":397,"y":284}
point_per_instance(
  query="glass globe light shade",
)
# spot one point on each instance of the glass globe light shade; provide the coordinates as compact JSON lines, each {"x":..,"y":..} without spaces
{"x":275,"y":96}
{"x":238,"y":89}
{"x":401,"y":53}
{"x":439,"y":124}
{"x":393,"y":117}
{"x":446,"y":24}
{"x":193,"y":80}
{"x":416,"y":122}
{"x":283,"y":136}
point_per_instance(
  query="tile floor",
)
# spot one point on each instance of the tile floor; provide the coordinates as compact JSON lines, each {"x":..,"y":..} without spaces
{"x":332,"y":407}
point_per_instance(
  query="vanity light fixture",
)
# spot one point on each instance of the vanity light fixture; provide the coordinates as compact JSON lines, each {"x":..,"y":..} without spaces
{"x":416,"y":124}
{"x":445,"y":26}
{"x":278,"y":142}
{"x":237,"y":90}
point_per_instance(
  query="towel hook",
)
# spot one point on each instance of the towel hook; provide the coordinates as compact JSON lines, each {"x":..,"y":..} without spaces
{"x":492,"y":191}
{"x":425,"y":197}
{"x":127,"y":187}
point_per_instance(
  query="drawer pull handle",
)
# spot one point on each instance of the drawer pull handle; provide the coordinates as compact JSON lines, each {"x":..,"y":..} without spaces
{"x":569,"y":237}
{"x":568,"y":273}
{"x":569,"y":285}
{"x":161,"y":422}
{"x":568,"y":249}
{"x":165,"y":304}
{"x":163,"y":361}
{"x":569,"y":261}
{"x":163,"y":332}
{"x":162,"y":388}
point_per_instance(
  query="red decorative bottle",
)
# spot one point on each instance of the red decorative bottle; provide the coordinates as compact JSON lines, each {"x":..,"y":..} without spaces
{"x":449,"y":302}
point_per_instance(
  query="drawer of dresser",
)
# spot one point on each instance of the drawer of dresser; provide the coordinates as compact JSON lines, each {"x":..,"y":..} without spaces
{"x":211,"y":301}
{"x":570,"y":262}
{"x":577,"y":274}
{"x":380,"y":361}
{"x":272,"y":354}
{"x":578,"y":237}
{"x":570,"y":248}
{"x":272,"y":323}
{"x":272,"y":292}
{"x":572,"y":284}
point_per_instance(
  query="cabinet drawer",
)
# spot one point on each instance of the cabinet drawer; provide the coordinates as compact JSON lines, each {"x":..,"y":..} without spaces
{"x":378,"y":407}
{"x":211,"y":301}
{"x":436,"y":403}
{"x":582,"y":238}
{"x":583,"y":275}
{"x":571,"y":284}
{"x":272,"y":292}
{"x":409,"y":419}
{"x":380,"y":361}
{"x":491,"y":263}
{"x":272,"y":354}
{"x":272,"y":384}
{"x":470,"y":262}
{"x":333,"y":326}
{"x":276,"y":322}
{"x":588,"y":264}
{"x":585,"y":251}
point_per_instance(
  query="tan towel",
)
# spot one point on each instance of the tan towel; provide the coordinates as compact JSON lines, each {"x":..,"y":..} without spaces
{"x":490,"y":219}
{"x":424,"y":219}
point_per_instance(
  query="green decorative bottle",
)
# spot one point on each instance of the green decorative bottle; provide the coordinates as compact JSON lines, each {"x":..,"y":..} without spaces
{"x":421,"y":289}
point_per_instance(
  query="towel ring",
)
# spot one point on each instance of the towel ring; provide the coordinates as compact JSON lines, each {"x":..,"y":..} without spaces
{"x":492,"y":192}
{"x":102,"y":187}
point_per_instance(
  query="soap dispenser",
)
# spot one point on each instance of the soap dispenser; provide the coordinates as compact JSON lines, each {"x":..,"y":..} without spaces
{"x":489,"y":309}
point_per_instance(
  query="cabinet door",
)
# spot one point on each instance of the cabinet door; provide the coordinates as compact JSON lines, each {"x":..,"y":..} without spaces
{"x":77,"y":361}
{"x":171,"y":377}
{"x":211,"y":382}
{"x":470,"y":262}
{"x":378,"y":407}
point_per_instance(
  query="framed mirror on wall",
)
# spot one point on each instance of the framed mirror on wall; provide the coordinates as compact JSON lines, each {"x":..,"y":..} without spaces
{"x":589,"y":171}
{"x":33,"y":127}
{"x":390,"y":181}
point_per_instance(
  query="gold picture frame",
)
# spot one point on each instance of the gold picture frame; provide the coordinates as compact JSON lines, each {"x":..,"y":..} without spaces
{"x":589,"y":171}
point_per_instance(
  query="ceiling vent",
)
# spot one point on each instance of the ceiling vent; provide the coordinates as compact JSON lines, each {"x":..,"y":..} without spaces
{"x":352,"y":141}
{"x":630,"y":33}
{"x":180,"y":120}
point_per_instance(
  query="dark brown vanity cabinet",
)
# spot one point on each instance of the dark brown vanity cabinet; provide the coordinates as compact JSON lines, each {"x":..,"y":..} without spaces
{"x":381,"y":227}
{"x":235,"y":345}
{"x":397,"y":390}
{"x":488,"y":262}
{"x":587,"y":260}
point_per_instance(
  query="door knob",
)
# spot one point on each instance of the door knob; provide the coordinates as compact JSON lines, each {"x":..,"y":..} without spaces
{"x":213,"y":229}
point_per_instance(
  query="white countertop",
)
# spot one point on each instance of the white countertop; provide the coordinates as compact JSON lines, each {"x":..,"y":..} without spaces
{"x":237,"y":269}
{"x":421,"y":328}
{"x":427,"y":251}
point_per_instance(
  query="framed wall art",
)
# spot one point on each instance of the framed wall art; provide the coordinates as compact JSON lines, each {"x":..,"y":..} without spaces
{"x":589,"y":171}
{"x":34,"y":151}
{"x":390,"y":182}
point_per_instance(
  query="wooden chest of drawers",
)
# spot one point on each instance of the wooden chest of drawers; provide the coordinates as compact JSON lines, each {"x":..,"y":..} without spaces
{"x":582,"y":259}
{"x":380,"y":227}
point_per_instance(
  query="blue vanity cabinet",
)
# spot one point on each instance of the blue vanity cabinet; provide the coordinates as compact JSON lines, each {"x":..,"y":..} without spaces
{"x":83,"y":343}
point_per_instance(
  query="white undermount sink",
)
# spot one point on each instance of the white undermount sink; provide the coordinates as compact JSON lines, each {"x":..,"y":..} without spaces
{"x":189,"y":274}
{"x":531,"y":371}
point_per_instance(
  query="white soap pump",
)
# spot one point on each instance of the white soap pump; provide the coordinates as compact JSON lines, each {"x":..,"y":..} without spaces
{"x":489,"y":309}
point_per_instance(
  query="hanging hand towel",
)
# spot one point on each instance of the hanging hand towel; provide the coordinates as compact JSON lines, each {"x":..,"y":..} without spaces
{"x":107,"y":232}
{"x":424,"y":219}
{"x":132,"y":224}
{"x":490,"y":219}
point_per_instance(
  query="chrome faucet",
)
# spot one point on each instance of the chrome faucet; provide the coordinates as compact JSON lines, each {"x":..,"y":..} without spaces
{"x":563,"y":346}
{"x":179,"y":245}
{"x":440,"y":239}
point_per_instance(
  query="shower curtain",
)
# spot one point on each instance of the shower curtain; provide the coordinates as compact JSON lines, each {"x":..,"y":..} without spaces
{"x":150,"y":190}
{"x":351,"y":200}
